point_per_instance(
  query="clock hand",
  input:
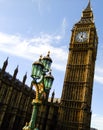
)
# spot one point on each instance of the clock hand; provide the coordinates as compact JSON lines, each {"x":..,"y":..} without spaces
{"x":82,"y":35}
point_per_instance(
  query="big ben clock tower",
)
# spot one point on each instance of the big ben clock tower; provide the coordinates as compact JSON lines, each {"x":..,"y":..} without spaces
{"x":75,"y":107}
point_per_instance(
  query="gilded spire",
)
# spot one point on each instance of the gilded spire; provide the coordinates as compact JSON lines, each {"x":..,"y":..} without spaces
{"x":87,"y":14}
{"x":88,"y":6}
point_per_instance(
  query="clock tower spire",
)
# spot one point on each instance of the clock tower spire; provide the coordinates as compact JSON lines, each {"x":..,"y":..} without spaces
{"x":87,"y":13}
{"x":75,"y":108}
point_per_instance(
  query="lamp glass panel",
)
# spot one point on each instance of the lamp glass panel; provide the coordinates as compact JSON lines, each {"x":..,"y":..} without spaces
{"x":33,"y":70}
{"x":47,"y":64}
{"x":36,"y":71}
{"x":48,"y":82}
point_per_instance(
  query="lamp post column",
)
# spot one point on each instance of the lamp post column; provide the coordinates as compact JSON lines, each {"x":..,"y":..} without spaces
{"x":42,"y":80}
{"x":34,"y":115}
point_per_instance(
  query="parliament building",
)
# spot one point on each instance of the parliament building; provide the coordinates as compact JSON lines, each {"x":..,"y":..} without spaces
{"x":15,"y":100}
{"x":73,"y":110}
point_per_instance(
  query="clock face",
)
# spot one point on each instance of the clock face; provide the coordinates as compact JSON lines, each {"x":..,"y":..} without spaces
{"x":81,"y":36}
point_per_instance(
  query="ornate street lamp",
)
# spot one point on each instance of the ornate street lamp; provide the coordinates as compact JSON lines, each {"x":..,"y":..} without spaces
{"x":42,"y":80}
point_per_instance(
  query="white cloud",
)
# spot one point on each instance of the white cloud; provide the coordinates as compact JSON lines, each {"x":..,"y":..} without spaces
{"x":32,"y":47}
{"x":98,"y":75}
{"x":64,"y":25}
{"x":39,"y":4}
{"x":98,"y":79}
{"x":42,"y":5}
{"x":97,"y":121}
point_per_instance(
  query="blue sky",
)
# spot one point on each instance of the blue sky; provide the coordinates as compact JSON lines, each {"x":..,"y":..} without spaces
{"x":29,"y":28}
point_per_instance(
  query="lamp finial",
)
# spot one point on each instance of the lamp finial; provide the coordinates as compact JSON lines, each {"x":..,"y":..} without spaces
{"x":48,"y":53}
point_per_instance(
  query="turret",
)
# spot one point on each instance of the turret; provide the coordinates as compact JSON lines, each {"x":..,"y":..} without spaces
{"x":15,"y":73}
{"x":53,"y":94}
{"x":5,"y":65}
{"x":24,"y":78}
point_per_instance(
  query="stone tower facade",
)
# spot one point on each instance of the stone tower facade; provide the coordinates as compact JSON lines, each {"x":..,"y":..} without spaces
{"x":75,"y":107}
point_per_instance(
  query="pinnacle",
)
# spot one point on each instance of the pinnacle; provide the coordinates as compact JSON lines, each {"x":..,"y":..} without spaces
{"x":88,"y":6}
